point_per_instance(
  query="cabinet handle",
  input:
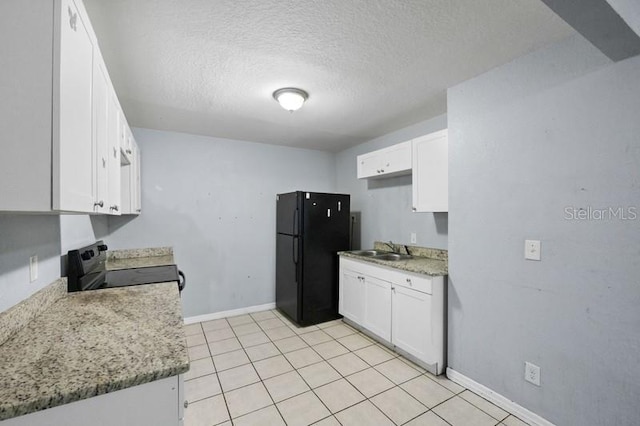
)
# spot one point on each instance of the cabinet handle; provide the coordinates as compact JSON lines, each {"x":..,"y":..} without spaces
{"x":138,"y":210}
{"x":409,"y":281}
{"x":393,"y":289}
{"x":128,"y":151}
{"x":186,"y":404}
{"x":114,"y":207}
{"x":115,"y":152}
{"x":382,"y":171}
{"x":73,"y":19}
{"x":98,"y":203}
{"x":104,"y":163}
{"x":414,"y":209}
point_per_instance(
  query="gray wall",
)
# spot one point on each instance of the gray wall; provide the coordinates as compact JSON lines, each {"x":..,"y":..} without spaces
{"x":23,"y":236}
{"x":555,"y":129}
{"x":385,"y":204}
{"x":213,"y":200}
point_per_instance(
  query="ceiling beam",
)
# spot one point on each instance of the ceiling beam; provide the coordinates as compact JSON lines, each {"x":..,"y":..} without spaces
{"x":599,"y":23}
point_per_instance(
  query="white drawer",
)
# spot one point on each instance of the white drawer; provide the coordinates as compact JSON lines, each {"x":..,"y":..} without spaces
{"x":415,"y":282}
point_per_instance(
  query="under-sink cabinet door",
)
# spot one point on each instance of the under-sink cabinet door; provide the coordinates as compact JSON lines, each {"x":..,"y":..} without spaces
{"x":351,"y":304}
{"x":377,"y":307}
{"x":411,"y":322}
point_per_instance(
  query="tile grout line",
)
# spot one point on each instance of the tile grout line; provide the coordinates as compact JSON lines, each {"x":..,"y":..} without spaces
{"x":323,"y":359}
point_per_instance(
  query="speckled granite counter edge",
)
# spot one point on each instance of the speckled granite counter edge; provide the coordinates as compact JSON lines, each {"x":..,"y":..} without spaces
{"x":433,"y":267}
{"x":428,"y":252}
{"x":18,"y":316}
{"x":139,"y":252}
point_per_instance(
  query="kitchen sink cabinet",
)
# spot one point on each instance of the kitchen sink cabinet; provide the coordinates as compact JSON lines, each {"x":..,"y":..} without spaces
{"x":56,"y":119}
{"x":158,"y":403}
{"x":387,"y":162}
{"x":402,"y":309}
{"x":430,"y":173}
{"x":377,"y":307}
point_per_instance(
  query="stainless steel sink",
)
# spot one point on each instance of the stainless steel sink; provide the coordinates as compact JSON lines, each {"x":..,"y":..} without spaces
{"x":392,"y":256}
{"x":367,"y":253}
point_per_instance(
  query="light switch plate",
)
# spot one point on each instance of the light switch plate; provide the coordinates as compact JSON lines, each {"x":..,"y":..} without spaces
{"x":414,"y":238}
{"x":532,"y":249}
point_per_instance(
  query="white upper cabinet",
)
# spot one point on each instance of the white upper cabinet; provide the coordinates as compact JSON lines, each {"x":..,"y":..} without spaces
{"x":431,"y":173}
{"x":58,"y":112}
{"x":73,"y":185}
{"x":101,"y":136}
{"x":131,"y":194}
{"x":113,"y":162}
{"x":392,"y":161}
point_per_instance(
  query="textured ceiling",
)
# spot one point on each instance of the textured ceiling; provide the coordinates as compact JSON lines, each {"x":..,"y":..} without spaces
{"x":209,"y":67}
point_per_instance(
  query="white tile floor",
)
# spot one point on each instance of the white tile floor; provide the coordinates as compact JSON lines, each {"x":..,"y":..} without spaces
{"x":260,"y":369}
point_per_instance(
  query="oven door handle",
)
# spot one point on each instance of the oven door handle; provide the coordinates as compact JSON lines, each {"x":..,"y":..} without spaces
{"x":183,"y":282}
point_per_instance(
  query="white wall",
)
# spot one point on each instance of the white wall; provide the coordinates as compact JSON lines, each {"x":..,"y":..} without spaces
{"x":385,"y":204}
{"x":213,"y":200}
{"x":555,"y":129}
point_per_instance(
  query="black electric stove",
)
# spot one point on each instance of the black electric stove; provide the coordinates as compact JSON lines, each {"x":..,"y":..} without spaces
{"x":86,"y":271}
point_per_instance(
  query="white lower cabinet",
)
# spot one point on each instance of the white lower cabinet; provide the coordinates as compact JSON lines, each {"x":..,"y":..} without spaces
{"x":351,"y":297}
{"x":156,"y":403}
{"x":400,"y":308}
{"x":411,"y":307}
{"x":377,"y":307}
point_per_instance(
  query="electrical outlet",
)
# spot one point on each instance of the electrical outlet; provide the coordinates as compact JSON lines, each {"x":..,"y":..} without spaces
{"x":33,"y":268}
{"x":532,"y":373}
{"x":532,"y":249}
{"x":414,"y":238}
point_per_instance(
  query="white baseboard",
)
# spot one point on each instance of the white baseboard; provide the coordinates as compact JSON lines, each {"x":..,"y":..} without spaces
{"x":499,"y":400}
{"x":231,"y":313}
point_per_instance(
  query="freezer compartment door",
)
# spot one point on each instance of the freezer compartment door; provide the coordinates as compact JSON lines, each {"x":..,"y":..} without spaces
{"x":288,"y":213}
{"x":288,"y":264}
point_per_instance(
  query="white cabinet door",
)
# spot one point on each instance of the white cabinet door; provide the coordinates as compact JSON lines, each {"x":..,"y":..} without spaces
{"x":377,"y":307}
{"x":411,"y":321}
{"x":431,"y":173}
{"x":73,"y":163}
{"x":113,"y":163}
{"x":396,"y":158}
{"x":137,"y":183}
{"x":387,"y":162}
{"x":101,"y":135}
{"x":368,"y":165}
{"x":351,"y":303}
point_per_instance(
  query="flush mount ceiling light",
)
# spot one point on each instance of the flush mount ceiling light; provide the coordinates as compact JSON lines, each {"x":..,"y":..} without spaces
{"x":290,"y":98}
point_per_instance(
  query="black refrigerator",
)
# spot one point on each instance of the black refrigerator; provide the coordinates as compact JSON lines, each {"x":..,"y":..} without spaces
{"x":311,"y":228}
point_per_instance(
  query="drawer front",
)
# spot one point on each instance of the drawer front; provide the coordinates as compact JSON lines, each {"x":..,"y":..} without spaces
{"x":414,"y":282}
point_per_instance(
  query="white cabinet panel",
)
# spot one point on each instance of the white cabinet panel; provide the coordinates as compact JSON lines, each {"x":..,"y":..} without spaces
{"x":411,"y":321}
{"x":351,"y":303}
{"x":431,"y":173}
{"x":101,"y":136}
{"x":113,"y":163}
{"x":73,"y":183}
{"x":377,"y":307}
{"x":392,"y":161}
{"x":154,"y":403}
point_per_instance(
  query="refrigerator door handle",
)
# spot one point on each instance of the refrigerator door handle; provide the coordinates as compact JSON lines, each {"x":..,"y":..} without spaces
{"x":295,"y":251}
{"x":295,"y":222}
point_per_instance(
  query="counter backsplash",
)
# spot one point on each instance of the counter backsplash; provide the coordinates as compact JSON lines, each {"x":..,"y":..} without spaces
{"x":431,"y":253}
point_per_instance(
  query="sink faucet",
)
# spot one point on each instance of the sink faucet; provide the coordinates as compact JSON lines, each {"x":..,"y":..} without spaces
{"x":391,"y":246}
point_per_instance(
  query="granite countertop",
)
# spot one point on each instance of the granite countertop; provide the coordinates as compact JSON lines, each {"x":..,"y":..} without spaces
{"x":427,"y":261}
{"x":139,"y":258}
{"x":89,"y":343}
